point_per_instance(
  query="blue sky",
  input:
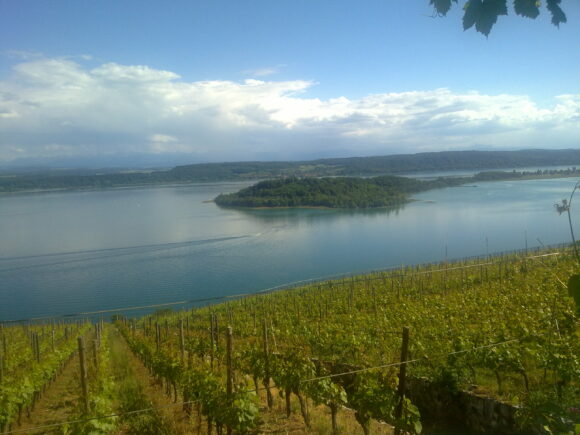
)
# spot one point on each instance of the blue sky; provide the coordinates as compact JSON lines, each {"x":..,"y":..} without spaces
{"x":226,"y":80}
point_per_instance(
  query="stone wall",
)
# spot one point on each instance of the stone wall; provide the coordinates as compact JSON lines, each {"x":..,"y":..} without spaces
{"x":461,"y":411}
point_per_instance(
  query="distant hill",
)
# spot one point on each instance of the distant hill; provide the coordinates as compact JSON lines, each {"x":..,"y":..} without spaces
{"x":382,"y":165}
{"x":352,"y":166}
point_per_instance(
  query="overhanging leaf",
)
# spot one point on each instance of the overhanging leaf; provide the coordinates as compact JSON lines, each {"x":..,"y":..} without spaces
{"x":527,"y":8}
{"x":558,"y":15}
{"x":441,"y":6}
{"x":483,"y":13}
{"x":490,"y":10}
{"x":472,"y":10}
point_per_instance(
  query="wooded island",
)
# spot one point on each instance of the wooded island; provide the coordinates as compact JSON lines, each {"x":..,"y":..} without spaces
{"x":340,"y":192}
{"x":349,"y":192}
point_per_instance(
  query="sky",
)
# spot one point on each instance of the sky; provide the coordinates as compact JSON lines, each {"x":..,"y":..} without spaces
{"x":131,"y":83}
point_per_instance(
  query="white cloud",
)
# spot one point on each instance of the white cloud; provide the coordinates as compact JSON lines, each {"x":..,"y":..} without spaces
{"x":263,"y":72}
{"x":163,"y":138}
{"x":51,"y":107}
{"x":164,"y":143}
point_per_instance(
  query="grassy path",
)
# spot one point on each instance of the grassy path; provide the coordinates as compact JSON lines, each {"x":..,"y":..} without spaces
{"x":59,"y":402}
{"x":136,"y":390}
{"x":132,"y":389}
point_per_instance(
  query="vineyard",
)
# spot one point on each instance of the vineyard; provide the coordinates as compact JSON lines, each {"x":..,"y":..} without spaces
{"x":500,"y":327}
{"x":31,"y":359}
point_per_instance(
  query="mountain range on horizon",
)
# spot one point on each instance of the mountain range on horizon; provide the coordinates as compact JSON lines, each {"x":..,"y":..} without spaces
{"x":463,"y":159}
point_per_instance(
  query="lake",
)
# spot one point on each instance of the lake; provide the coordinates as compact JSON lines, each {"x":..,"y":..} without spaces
{"x":66,"y":252}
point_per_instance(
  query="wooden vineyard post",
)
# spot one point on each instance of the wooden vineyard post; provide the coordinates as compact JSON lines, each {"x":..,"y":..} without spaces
{"x":230,"y":381}
{"x":212,"y":328}
{"x":83,"y":374}
{"x":216,"y":331}
{"x":3,"y":338}
{"x":267,"y":367}
{"x":36,"y":347}
{"x":402,"y":378}
{"x":181,"y":341}
{"x":95,"y":355}
{"x":158,"y":336}
{"x":2,"y":353}
{"x":33,"y":344}
{"x":211,"y":336}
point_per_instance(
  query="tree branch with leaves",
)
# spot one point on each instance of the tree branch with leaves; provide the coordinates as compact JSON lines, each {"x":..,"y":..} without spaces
{"x":483,"y":14}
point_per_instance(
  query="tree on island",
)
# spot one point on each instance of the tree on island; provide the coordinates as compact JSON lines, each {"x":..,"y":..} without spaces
{"x":483,"y":14}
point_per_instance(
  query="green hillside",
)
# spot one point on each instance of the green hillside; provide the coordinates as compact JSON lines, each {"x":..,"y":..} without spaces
{"x":242,"y":171}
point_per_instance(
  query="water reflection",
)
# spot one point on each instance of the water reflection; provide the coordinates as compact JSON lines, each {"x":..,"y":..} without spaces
{"x":313,"y":215}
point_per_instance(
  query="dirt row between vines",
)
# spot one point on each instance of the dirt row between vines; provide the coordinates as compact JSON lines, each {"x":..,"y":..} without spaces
{"x":58,"y":403}
{"x":136,"y":389}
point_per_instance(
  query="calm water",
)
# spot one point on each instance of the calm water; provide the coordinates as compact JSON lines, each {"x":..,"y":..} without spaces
{"x":83,"y":251}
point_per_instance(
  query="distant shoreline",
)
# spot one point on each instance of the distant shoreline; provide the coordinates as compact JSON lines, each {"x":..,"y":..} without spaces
{"x":399,"y":165}
{"x":127,"y":187}
{"x":193,"y":183}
